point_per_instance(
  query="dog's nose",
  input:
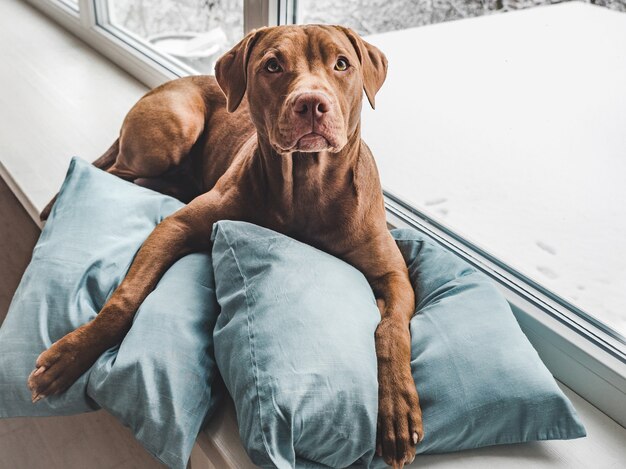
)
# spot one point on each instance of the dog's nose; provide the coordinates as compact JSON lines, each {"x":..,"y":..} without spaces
{"x":311,"y":104}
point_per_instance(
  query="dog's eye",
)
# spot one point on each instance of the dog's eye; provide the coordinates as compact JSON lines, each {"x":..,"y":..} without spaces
{"x":341,"y":65}
{"x":273,"y":66}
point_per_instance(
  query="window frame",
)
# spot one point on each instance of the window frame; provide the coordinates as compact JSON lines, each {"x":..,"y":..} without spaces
{"x":579,"y":351}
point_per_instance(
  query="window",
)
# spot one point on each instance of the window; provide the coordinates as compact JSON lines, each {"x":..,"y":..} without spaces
{"x":379,"y":16}
{"x":194,"y":33}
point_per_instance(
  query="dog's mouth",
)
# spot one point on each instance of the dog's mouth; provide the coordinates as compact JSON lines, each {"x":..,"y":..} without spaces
{"x":312,"y":142}
{"x":307,"y":139}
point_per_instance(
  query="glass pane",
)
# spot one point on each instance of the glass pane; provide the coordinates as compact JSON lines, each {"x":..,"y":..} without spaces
{"x":71,"y":3}
{"x":379,"y":16}
{"x":510,"y":130}
{"x":196,"y":32}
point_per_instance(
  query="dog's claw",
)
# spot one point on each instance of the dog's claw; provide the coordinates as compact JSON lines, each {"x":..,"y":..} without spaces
{"x":415,"y":438}
{"x":37,"y":398}
{"x":39,"y":370}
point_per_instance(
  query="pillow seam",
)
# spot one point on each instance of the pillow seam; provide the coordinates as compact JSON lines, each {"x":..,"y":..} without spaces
{"x":250,"y":339}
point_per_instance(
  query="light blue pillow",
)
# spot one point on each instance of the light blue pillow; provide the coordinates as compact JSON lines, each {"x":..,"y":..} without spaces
{"x":480,"y":381}
{"x":159,"y":382}
{"x":295,"y":345}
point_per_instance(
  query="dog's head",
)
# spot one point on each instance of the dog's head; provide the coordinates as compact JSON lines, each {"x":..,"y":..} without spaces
{"x":303,"y":83}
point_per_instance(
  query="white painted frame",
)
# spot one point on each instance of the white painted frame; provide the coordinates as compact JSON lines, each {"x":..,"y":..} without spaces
{"x":84,"y":26}
{"x":577,"y":352}
{"x":129,"y":51}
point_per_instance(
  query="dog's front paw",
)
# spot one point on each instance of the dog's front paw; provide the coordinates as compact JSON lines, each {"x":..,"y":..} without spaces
{"x":399,"y":426}
{"x":399,"y":414}
{"x":57,"y":368}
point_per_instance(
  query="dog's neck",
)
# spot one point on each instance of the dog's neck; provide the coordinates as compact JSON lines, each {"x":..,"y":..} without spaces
{"x":297,"y":180}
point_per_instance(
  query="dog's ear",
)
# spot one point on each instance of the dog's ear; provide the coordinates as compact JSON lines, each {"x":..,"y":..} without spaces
{"x":231,"y":69}
{"x":373,"y":64}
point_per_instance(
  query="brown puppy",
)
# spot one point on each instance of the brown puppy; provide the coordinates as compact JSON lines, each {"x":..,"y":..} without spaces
{"x":284,"y":151}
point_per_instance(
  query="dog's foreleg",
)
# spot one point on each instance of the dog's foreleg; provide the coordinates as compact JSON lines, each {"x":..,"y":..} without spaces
{"x":186,"y":231}
{"x":399,"y":414}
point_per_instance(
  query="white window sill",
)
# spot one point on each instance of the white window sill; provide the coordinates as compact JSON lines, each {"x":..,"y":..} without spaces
{"x":219,"y":446}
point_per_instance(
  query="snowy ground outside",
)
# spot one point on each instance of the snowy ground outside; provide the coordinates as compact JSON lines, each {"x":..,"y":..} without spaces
{"x":511,"y":133}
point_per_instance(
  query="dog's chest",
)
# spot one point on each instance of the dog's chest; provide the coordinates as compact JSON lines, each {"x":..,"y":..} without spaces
{"x":314,"y":201}
{"x":314,"y":217}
